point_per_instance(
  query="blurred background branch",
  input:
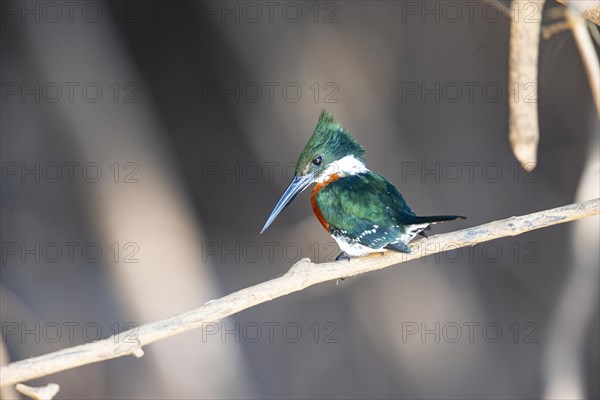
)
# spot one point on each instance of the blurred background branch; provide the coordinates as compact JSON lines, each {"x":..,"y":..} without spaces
{"x":575,"y":310}
{"x":586,"y":49}
{"x":300,"y":276}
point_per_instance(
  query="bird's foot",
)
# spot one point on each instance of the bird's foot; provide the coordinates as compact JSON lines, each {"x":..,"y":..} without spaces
{"x":422,"y":233}
{"x":342,"y":257}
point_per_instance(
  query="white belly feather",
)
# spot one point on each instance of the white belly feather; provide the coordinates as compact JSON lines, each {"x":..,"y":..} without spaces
{"x":354,"y":249}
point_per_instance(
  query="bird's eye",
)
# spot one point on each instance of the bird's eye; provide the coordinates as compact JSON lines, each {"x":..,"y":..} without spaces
{"x":317,"y":161}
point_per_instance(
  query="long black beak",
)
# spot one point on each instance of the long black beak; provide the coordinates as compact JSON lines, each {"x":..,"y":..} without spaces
{"x":298,"y":184}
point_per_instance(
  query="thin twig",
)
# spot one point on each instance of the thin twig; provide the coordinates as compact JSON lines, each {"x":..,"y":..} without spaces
{"x":39,"y":393}
{"x":555,"y":28}
{"x":301,"y":275}
{"x":498,"y":4}
{"x":524,"y":131}
{"x":590,"y":9}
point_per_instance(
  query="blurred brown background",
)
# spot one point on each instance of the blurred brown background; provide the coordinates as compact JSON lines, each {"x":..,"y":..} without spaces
{"x":145,"y":143}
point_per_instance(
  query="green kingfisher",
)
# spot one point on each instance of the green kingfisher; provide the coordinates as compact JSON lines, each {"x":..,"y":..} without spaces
{"x":361,"y":210}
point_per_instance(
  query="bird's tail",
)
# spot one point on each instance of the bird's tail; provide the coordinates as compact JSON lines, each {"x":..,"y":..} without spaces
{"x":435,"y":219}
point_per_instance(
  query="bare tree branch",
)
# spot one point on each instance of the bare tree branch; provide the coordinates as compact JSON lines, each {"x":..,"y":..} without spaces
{"x":524,"y":131}
{"x":301,"y":275}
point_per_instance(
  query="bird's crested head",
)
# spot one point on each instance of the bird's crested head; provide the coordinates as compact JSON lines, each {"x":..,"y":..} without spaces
{"x":329,"y":144}
{"x":330,"y":152}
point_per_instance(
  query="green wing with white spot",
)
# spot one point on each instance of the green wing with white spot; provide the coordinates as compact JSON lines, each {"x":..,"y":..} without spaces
{"x":365,"y":208}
